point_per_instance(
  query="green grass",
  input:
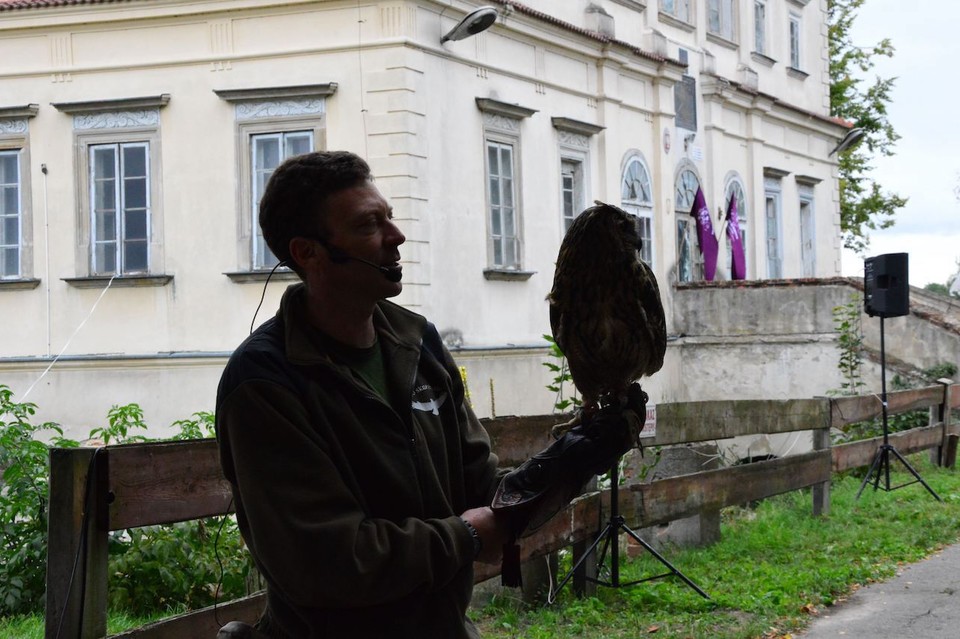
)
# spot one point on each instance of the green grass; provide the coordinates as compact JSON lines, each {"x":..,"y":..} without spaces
{"x":31,"y":627}
{"x":774,"y":568}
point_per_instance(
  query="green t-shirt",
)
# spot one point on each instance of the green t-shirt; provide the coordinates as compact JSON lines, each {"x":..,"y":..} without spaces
{"x":364,"y":363}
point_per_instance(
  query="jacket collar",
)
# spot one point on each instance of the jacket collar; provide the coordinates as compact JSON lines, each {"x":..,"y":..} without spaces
{"x":395,"y":327}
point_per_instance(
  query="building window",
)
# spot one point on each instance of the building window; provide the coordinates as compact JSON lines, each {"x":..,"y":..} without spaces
{"x":571,"y":190}
{"x":120,"y":208}
{"x":273,"y":124}
{"x":760,"y":26}
{"x":636,"y":197}
{"x":573,"y":137}
{"x":689,"y":260}
{"x":10,"y":216}
{"x":808,"y":237}
{"x":16,"y":246}
{"x":501,"y":196}
{"x":772,"y":191}
{"x":679,"y":9}
{"x":795,"y":33}
{"x":735,"y":189}
{"x":118,"y":158}
{"x":501,"y":137}
{"x":267,"y":151}
{"x":720,"y":18}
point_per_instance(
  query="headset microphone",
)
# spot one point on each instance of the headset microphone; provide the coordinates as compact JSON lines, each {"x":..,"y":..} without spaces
{"x":338,"y":256}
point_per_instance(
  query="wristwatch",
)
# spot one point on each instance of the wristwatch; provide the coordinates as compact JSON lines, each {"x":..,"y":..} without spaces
{"x":477,"y":543}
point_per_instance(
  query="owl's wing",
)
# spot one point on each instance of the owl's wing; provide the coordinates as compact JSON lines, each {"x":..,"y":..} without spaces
{"x":651,"y":309}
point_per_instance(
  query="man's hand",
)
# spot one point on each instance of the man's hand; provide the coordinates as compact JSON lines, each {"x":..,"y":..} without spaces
{"x":493,"y":532}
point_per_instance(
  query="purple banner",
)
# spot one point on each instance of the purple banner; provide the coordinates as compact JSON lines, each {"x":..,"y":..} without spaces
{"x":709,"y":246}
{"x":738,"y":261}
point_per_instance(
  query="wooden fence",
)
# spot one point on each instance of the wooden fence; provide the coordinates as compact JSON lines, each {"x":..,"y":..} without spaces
{"x":95,"y":491}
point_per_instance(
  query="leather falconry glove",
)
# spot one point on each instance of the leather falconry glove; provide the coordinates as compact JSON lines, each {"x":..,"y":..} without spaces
{"x":544,"y":484}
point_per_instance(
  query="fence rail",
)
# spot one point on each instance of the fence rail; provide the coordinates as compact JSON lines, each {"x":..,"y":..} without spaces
{"x":95,"y":491}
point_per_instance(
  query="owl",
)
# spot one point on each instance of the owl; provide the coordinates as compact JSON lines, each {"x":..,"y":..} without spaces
{"x":605,"y":308}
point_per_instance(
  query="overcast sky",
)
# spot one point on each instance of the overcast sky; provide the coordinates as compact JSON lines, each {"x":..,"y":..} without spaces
{"x":926,"y":167}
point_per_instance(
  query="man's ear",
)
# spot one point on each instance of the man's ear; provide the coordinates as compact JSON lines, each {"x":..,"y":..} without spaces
{"x":305,"y":252}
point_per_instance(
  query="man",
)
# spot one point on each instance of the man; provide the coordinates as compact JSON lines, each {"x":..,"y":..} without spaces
{"x":360,"y":475}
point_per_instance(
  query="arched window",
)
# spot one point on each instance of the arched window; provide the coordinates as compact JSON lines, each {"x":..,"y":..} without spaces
{"x":636,"y":198}
{"x":689,"y":261}
{"x":735,"y":188}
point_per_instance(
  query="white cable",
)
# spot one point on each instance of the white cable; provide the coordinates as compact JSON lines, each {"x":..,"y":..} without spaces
{"x":363,"y":108}
{"x":77,"y":330}
{"x":46,"y":246}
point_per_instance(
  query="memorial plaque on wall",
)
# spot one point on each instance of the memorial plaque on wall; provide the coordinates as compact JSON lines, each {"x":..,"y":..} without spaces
{"x":685,"y":103}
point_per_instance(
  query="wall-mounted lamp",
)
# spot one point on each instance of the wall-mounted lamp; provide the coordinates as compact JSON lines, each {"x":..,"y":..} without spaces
{"x":480,"y":19}
{"x":852,"y":138}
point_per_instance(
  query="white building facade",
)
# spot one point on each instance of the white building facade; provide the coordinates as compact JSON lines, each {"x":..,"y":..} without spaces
{"x":136,"y":137}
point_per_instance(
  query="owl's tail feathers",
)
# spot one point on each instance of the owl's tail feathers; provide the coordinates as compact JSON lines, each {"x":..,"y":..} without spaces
{"x":544,"y":484}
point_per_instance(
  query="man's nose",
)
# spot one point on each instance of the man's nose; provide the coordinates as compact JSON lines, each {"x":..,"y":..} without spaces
{"x":394,"y":235}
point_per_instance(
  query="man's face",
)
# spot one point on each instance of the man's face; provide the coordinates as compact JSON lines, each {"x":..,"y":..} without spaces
{"x":359,"y":221}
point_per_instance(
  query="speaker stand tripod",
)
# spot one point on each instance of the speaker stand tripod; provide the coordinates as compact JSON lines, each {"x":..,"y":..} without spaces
{"x":881,"y":461}
{"x":609,"y":537}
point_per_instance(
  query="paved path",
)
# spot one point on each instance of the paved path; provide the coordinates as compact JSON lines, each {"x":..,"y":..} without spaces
{"x":923,"y":601}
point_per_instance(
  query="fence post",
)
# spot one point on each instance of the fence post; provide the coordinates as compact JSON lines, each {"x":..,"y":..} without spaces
{"x":77,"y":544}
{"x":821,"y":441}
{"x":948,"y":445}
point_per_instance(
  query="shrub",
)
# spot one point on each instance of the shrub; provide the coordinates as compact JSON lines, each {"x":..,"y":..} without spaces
{"x":151,"y":569}
{"x":23,"y":505}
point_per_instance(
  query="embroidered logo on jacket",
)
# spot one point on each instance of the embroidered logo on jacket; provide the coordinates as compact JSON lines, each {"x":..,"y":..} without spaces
{"x":425,"y":399}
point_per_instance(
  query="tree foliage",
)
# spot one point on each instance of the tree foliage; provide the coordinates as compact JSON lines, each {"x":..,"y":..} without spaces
{"x":864,"y":205}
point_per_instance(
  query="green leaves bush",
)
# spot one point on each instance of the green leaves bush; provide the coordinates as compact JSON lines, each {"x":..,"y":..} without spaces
{"x":156,"y":568}
{"x":23,"y":505}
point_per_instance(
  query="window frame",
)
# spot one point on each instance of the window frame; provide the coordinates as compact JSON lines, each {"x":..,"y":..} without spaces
{"x":12,"y":244}
{"x":573,"y":139}
{"x":501,"y":124}
{"x":250,"y":132}
{"x":121,"y":235}
{"x":743,"y":218}
{"x":15,"y":136}
{"x":262,"y":111}
{"x":726,"y":11}
{"x":686,"y":226}
{"x":150,"y":136}
{"x":578,"y":196}
{"x":117,"y":121}
{"x":808,"y":258}
{"x":773,"y":192}
{"x":795,"y":44}
{"x":760,"y":27}
{"x":674,"y":11}
{"x":640,"y":207}
{"x":502,"y":141}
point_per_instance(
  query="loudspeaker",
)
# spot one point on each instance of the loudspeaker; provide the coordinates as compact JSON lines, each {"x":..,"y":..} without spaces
{"x":885,"y":285}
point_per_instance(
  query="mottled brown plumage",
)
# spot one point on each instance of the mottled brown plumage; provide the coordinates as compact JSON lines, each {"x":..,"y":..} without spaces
{"x":605,"y":308}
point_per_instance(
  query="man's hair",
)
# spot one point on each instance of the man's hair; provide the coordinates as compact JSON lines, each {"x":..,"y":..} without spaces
{"x":293,"y":202}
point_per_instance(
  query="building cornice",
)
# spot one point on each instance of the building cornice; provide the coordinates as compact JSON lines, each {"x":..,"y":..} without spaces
{"x":122,"y":104}
{"x":507,"y":110}
{"x":576,"y":126}
{"x":522,"y":9}
{"x":727,"y":90}
{"x":273,"y":93}
{"x":25,"y":111}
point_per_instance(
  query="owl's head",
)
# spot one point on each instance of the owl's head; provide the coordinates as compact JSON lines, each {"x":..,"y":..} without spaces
{"x":605,"y":228}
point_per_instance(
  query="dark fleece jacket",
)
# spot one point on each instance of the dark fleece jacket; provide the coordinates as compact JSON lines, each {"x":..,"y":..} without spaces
{"x":350,"y":505}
